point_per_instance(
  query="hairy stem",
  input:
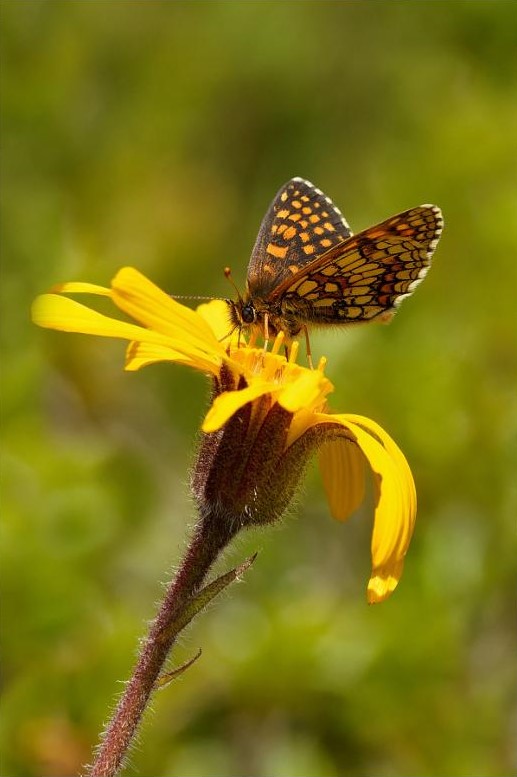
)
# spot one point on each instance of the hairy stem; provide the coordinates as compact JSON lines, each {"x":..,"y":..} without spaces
{"x":209,"y":538}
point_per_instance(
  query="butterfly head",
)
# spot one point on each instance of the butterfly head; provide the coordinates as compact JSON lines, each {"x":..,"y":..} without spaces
{"x":242,"y":311}
{"x":246,"y":312}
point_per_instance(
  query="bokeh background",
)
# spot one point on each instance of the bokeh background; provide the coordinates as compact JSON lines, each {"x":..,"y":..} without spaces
{"x":155,"y":134}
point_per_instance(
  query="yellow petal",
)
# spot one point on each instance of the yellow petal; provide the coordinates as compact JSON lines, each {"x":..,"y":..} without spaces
{"x":216,"y":314}
{"x":342,"y":471}
{"x":226,"y":404}
{"x":55,"y":312}
{"x":137,"y":296}
{"x":394,"y":516}
{"x":72,"y":287}
{"x":409,"y":491}
{"x":302,"y":420}
{"x":140,"y":354}
{"x":383,"y":582}
{"x":306,"y":390}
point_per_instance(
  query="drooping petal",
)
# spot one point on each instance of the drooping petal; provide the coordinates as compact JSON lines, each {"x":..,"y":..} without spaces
{"x":409,"y":490}
{"x":393,"y":522}
{"x":342,"y":468}
{"x":383,"y":581}
{"x":395,"y":500}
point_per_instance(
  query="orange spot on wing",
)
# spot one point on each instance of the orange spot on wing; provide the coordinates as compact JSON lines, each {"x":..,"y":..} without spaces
{"x":309,"y":249}
{"x":289,"y":233}
{"x":283,"y":214}
{"x":296,"y":204}
{"x":314,"y":218}
{"x":328,"y":226}
{"x":305,"y":237}
{"x":326,"y":243}
{"x":319,"y":230}
{"x":277,"y":251}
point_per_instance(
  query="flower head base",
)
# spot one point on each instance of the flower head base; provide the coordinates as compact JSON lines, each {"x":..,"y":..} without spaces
{"x":268,"y":415}
{"x":251,"y":460}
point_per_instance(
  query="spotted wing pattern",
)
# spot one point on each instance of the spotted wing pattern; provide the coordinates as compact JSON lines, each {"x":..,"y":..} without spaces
{"x":301,"y":225}
{"x":366,"y":276}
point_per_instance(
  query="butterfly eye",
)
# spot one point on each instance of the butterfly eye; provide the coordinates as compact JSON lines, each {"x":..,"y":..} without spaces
{"x":248,"y":313}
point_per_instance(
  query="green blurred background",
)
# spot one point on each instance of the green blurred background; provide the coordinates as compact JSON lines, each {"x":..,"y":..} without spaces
{"x":155,"y":134}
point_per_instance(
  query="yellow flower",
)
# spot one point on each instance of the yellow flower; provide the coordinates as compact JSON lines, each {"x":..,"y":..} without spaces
{"x":267,"y":417}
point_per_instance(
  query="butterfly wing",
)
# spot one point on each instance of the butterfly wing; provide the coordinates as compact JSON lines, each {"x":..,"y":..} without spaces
{"x":368,"y":275}
{"x":300,"y":225}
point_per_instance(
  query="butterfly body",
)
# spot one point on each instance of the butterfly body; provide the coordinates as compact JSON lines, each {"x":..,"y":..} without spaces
{"x":260,"y":313}
{"x":307,"y":269}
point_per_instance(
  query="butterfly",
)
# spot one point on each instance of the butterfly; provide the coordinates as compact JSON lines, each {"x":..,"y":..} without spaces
{"x":307,"y":268}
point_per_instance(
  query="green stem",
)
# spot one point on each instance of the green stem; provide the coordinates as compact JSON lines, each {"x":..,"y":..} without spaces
{"x":210,"y":537}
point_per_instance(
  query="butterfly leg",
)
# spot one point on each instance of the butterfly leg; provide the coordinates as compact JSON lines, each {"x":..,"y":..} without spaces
{"x":266,"y":331}
{"x":308,"y":347}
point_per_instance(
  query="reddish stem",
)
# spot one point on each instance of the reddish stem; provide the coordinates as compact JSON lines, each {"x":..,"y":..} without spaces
{"x":205,"y":546}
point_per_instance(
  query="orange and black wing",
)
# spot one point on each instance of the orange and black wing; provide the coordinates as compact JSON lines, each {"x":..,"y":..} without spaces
{"x":300,"y":225}
{"x":368,"y":275}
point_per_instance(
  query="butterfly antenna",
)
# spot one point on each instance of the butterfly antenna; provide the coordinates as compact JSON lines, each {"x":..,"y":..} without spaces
{"x":186,"y":296}
{"x":228,"y":276}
